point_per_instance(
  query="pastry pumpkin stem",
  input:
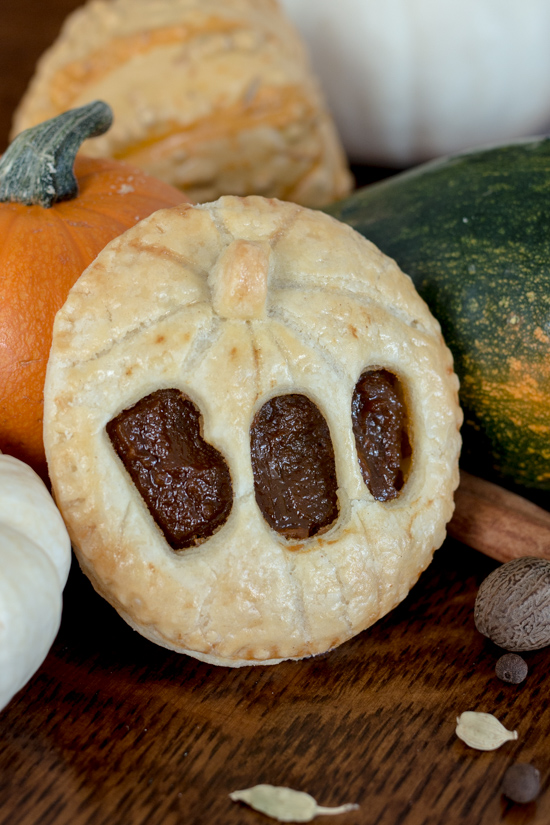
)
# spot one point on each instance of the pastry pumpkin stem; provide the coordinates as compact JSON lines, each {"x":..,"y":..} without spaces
{"x":37,"y":167}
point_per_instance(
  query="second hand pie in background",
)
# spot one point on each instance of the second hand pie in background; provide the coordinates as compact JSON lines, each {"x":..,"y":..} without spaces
{"x":214,"y":97}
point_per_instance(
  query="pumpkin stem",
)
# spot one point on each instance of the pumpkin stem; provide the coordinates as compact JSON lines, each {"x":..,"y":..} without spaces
{"x":37,"y":167}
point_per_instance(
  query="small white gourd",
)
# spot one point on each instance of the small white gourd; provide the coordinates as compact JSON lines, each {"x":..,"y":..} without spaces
{"x":35,"y":557}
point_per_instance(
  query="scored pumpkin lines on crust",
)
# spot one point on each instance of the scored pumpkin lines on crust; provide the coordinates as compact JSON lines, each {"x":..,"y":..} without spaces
{"x":300,"y":611}
{"x":289,"y":319}
{"x":258,"y":347}
{"x":343,"y":597}
{"x":257,"y":356}
{"x":131,"y":333}
{"x":206,"y":337}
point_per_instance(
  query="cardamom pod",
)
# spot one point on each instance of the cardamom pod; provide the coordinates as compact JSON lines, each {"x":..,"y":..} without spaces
{"x":482,"y":731}
{"x":285,"y":804}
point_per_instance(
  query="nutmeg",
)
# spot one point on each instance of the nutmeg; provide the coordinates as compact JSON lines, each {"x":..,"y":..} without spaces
{"x":512,"y":606}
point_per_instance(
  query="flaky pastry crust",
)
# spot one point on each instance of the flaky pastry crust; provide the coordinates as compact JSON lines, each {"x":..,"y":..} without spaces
{"x":213,"y":96}
{"x":155,"y":310}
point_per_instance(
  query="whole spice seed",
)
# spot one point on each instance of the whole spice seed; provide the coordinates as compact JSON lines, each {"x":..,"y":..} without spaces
{"x":482,"y":731}
{"x":521,"y":782}
{"x":285,"y":804}
{"x":511,"y":668}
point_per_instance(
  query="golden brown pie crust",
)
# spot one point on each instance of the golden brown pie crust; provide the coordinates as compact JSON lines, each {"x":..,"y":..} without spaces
{"x":233,"y":303}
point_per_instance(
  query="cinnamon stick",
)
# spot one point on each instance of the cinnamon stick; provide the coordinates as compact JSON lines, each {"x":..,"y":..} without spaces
{"x":501,"y":524}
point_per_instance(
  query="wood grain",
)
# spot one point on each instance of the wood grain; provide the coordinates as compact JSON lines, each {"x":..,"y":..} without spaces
{"x":113,"y":729}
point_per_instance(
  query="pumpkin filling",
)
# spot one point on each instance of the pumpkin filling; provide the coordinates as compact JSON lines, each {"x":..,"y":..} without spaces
{"x":379,"y":421}
{"x":184,"y":481}
{"x":293,"y":465}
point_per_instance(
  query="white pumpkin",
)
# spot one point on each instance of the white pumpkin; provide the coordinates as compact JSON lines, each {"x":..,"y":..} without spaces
{"x":35,"y":557}
{"x":408,"y":80}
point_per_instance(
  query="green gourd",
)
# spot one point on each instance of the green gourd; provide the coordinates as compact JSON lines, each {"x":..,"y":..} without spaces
{"x":473,"y":232}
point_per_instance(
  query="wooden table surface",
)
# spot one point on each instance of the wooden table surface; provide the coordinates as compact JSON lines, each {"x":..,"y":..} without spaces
{"x":114,"y":730}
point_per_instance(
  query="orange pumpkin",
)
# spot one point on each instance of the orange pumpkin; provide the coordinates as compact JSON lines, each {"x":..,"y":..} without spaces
{"x":57,"y":212}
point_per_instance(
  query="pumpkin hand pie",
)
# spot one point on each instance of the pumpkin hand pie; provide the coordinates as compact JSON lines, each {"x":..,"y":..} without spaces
{"x":252,"y":430}
{"x":212,"y":96}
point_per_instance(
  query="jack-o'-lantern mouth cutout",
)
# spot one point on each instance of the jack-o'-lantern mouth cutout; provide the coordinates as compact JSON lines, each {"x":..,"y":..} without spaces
{"x":186,"y":483}
{"x":252,"y":430}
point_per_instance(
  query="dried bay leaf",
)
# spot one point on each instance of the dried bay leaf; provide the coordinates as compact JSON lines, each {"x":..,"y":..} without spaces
{"x":285,"y":804}
{"x":482,"y":731}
